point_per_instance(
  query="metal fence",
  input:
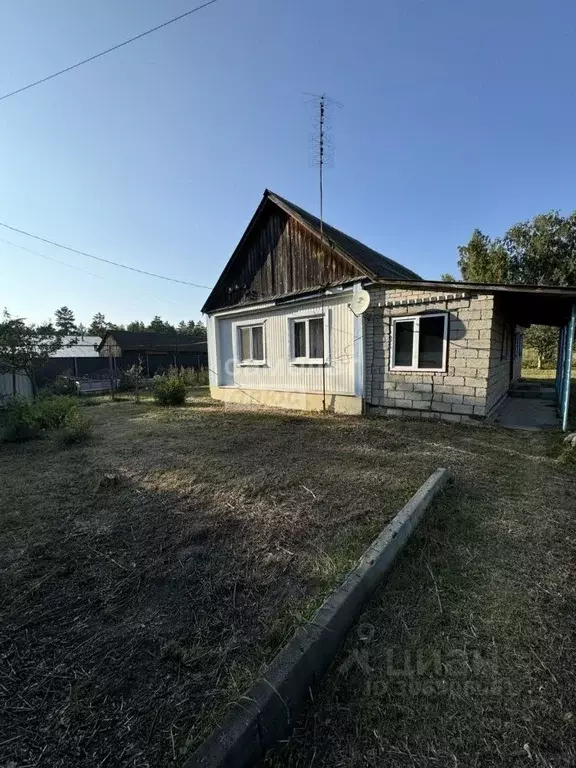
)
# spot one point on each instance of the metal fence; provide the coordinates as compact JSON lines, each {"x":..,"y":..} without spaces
{"x":7,"y":382}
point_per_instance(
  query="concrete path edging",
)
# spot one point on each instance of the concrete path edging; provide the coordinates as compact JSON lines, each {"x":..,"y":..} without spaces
{"x":267,"y":712}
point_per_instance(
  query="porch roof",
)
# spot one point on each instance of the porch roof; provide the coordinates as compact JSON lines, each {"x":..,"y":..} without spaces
{"x":525,"y":304}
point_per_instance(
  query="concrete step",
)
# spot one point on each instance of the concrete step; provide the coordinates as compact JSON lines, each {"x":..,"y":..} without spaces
{"x":529,"y":385}
{"x":543,"y":393}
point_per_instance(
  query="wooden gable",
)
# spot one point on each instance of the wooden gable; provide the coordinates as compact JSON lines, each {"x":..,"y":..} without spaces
{"x":279,"y":256}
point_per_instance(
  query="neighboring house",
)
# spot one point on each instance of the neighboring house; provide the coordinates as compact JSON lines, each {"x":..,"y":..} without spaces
{"x":281,"y":330}
{"x":78,"y":356}
{"x":152,"y":351}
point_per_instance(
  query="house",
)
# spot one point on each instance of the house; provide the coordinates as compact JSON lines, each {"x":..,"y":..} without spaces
{"x":78,"y":356}
{"x":152,"y":350}
{"x":282,"y":329}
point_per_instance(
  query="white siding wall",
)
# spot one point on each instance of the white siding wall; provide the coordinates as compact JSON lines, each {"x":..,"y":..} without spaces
{"x":23,"y":386}
{"x":279,"y":373}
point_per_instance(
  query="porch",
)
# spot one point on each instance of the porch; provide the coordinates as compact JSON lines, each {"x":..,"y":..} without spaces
{"x":534,"y":404}
{"x":531,"y":405}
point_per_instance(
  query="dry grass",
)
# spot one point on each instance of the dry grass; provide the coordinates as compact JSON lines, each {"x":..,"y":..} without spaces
{"x":146,"y":576}
{"x":134,"y":608}
{"x":466,"y":655}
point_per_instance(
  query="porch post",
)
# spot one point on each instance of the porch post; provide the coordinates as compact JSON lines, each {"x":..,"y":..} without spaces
{"x":569,"y":343}
{"x":560,"y":367}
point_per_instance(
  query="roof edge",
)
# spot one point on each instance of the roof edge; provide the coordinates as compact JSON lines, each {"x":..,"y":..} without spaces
{"x":423,"y":285}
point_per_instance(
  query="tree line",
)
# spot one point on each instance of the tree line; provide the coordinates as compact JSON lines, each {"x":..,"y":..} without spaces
{"x":26,"y":346}
{"x":66,"y":325}
{"x":539,"y":251}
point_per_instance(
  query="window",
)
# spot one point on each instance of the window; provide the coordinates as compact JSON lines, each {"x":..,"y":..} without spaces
{"x":251,"y":344}
{"x":308,"y":340}
{"x":419,"y":343}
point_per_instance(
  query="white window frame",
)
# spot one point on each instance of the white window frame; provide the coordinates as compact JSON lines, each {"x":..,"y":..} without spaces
{"x":416,"y":343}
{"x":307,"y":360}
{"x":238,"y":356}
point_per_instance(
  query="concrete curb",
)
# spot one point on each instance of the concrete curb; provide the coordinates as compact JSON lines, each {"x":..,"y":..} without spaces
{"x":267,"y":712}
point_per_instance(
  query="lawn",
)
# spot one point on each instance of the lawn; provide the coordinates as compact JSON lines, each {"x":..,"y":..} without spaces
{"x":465,"y":657}
{"x":147,"y":576}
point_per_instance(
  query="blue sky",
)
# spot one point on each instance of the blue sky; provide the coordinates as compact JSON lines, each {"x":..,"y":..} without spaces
{"x":456,"y":114}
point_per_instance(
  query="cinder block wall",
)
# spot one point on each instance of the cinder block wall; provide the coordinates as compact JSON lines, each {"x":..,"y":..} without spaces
{"x":502,"y":345}
{"x":460,"y":393}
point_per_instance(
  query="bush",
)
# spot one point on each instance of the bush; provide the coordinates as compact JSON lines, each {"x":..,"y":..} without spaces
{"x":131,"y":378}
{"x":202,"y":377}
{"x":25,"y":419}
{"x":61,"y":385}
{"x":192,"y":377}
{"x":51,"y":412}
{"x":77,"y":428}
{"x":19,"y":421}
{"x":169,"y":390}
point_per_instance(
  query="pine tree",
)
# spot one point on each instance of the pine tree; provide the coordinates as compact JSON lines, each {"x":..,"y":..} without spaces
{"x":65,"y":321}
{"x":98,"y":326}
{"x":136,"y":325}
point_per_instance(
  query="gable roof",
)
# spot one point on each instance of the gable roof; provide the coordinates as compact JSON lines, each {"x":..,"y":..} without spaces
{"x":367,"y":258}
{"x":367,"y":261}
{"x":148,"y":341}
{"x":78,"y":346}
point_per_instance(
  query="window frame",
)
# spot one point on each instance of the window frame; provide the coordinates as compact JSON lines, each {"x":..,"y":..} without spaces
{"x":415,"y":319}
{"x":250,"y":361}
{"x":307,"y":360}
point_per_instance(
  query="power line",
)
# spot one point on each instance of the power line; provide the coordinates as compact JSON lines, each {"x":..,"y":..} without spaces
{"x":50,"y":258}
{"x":86,"y":272}
{"x":99,"y":258}
{"x":108,"y":50}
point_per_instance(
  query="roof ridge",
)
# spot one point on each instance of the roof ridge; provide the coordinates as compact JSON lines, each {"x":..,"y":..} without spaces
{"x":313,"y":221}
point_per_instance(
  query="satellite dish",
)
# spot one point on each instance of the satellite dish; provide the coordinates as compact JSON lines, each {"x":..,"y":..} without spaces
{"x":360,"y":302}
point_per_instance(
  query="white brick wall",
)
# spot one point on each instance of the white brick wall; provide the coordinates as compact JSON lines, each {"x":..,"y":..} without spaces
{"x":461,"y":393}
{"x":504,"y":367}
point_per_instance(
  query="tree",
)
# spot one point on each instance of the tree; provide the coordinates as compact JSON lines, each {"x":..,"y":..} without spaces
{"x":23,"y":347}
{"x":484,"y":260}
{"x":199,"y":333}
{"x":98,"y":326}
{"x":182,"y":327}
{"x":65,"y":321}
{"x":191,"y":327}
{"x":161,"y":326}
{"x":544,"y":340}
{"x":446,"y":277}
{"x":543,"y":251}
{"x":81,"y":329}
{"x":157,"y":325}
{"x":136,"y":325}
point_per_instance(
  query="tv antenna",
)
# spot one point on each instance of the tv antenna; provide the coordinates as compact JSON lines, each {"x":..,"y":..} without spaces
{"x":322,"y":154}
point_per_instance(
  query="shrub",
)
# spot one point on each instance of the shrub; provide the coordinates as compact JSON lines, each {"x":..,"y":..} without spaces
{"x":169,"y":390}
{"x":61,"y":385}
{"x":202,"y":377}
{"x":51,"y":412}
{"x":25,"y":419}
{"x":131,"y":378}
{"x":19,"y":421}
{"x":192,"y":377}
{"x":77,"y":428}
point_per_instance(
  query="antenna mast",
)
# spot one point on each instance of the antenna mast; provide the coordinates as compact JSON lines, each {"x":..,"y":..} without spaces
{"x":322,"y":153}
{"x":322,"y":110}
